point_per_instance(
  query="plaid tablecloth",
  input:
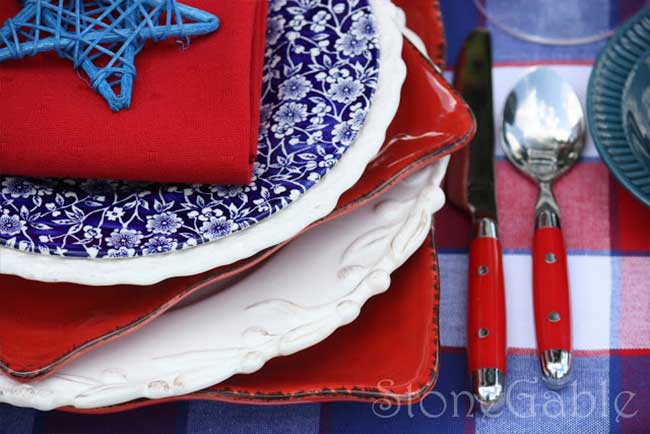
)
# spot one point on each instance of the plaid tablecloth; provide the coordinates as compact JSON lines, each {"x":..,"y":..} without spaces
{"x":608,"y":240}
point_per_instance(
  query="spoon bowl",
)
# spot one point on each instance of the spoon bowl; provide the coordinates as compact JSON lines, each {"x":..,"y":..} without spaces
{"x":543,"y":125}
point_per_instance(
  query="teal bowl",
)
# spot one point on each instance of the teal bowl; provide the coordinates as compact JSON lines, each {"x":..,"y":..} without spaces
{"x":618,"y":105}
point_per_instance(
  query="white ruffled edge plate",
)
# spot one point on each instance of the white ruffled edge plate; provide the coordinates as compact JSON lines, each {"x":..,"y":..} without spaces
{"x":278,"y":310}
{"x":315,"y":203}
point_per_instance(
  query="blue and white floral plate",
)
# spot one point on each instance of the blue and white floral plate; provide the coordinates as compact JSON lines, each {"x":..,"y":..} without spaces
{"x":331,"y":86}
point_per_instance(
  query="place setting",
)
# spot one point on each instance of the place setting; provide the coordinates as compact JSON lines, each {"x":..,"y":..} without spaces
{"x":313,"y":201}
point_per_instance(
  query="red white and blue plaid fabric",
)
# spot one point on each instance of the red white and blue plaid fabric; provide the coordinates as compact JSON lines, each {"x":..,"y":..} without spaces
{"x":608,"y":239}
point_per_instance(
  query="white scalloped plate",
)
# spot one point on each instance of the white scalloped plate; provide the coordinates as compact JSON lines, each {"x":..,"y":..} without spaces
{"x":277,"y":310}
{"x":316,"y":203}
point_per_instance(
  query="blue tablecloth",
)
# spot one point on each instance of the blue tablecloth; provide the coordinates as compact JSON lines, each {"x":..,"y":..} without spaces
{"x":612,"y":389}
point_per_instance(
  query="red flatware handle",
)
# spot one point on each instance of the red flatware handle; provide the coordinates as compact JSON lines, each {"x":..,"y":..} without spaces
{"x":551,"y":290}
{"x":486,"y":312}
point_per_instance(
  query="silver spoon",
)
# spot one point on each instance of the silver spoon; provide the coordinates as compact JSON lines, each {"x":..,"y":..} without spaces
{"x":543,"y":135}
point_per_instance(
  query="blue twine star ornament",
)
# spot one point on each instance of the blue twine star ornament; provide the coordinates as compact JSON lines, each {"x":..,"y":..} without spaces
{"x":100,"y":37}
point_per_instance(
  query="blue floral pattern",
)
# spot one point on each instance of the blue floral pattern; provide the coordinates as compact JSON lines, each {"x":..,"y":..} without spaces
{"x":320,"y":74}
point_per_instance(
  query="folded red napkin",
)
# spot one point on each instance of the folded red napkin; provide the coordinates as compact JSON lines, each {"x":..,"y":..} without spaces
{"x":194,"y":115}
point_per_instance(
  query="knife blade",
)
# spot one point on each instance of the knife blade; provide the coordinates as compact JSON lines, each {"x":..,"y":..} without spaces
{"x":471,"y":186}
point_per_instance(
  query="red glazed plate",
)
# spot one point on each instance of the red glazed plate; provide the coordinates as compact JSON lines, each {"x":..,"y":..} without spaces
{"x":425,"y":19}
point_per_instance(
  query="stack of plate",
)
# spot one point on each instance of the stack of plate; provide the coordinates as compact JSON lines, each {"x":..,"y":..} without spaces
{"x":342,"y":196}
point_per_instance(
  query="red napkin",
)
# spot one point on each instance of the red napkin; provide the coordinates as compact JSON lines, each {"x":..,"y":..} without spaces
{"x":194,"y":116}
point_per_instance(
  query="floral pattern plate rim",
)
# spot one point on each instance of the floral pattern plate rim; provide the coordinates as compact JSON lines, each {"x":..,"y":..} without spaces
{"x":244,"y":326}
{"x":314,"y":203}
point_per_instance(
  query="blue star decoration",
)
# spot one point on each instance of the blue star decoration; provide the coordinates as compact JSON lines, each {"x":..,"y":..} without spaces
{"x":101,"y":37}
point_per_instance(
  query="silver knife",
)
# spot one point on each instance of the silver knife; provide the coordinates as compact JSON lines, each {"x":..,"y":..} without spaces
{"x":470,"y":186}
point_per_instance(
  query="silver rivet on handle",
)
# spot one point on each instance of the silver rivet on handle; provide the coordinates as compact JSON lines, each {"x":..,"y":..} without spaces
{"x":554,"y":317}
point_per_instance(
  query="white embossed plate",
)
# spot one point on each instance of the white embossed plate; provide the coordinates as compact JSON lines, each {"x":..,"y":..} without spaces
{"x":277,"y":310}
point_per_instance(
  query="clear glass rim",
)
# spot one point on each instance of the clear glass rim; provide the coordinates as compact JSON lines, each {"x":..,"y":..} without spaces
{"x":538,"y":39}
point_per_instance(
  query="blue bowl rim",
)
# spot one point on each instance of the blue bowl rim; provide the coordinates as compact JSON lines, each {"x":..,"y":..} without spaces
{"x":619,"y":174}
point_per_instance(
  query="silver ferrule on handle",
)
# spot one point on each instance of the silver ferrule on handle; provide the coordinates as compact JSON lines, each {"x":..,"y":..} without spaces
{"x":547,"y":218}
{"x":556,"y":368}
{"x":547,"y":211}
{"x":485,"y":227}
{"x":488,"y":387}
